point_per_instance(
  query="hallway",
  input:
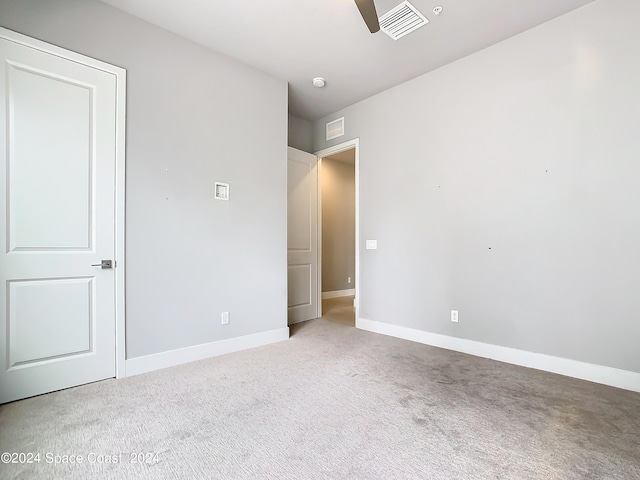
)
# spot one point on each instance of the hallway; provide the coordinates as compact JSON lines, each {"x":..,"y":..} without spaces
{"x":339,"y":310}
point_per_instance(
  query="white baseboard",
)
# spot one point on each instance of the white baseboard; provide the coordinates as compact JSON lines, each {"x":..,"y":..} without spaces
{"x":149,"y":363}
{"x":613,"y":377}
{"x":338,"y":293}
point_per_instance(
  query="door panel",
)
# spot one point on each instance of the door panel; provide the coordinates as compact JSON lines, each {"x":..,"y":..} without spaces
{"x":302,"y":235}
{"x":300,"y":179}
{"x":62,"y":128}
{"x":299,"y":275}
{"x":35,"y":336}
{"x":57,"y":194}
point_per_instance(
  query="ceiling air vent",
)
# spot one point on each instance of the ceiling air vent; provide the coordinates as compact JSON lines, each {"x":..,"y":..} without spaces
{"x":335,"y":129}
{"x":402,"y":20}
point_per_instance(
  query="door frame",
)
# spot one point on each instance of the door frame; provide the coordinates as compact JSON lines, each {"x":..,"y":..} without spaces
{"x":119,"y":271}
{"x":341,"y":147}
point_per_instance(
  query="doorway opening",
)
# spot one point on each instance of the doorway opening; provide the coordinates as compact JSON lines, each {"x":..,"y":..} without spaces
{"x":338,"y":261}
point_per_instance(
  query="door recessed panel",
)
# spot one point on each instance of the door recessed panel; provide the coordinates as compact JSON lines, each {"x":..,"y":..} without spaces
{"x":49,"y":319}
{"x":50,"y":145}
{"x":298,"y":285}
{"x":299,"y":205}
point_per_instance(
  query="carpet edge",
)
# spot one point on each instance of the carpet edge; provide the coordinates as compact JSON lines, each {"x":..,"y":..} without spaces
{"x":172,"y":358}
{"x":613,"y":377}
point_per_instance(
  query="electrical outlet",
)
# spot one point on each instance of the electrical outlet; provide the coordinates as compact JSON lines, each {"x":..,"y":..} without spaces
{"x":224,"y":317}
{"x":348,"y":279}
{"x":454,"y":316}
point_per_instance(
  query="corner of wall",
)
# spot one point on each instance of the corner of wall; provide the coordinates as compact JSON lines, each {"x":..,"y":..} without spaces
{"x":300,"y":134}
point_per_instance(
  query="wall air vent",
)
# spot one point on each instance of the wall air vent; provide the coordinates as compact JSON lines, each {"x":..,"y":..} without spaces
{"x":335,"y":129}
{"x":402,"y":20}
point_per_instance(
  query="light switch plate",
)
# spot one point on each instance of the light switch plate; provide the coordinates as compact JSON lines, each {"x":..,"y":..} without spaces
{"x":372,"y":244}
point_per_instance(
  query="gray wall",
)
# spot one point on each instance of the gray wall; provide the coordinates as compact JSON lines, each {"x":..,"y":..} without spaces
{"x":202,"y":117}
{"x":505,"y":185}
{"x":338,"y":190}
{"x":300,"y":134}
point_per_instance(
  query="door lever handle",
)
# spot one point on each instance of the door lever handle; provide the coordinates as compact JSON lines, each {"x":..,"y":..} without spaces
{"x":104,"y":264}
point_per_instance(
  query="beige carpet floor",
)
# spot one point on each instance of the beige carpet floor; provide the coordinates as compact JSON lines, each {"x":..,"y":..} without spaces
{"x":339,"y":310}
{"x":332,"y":402}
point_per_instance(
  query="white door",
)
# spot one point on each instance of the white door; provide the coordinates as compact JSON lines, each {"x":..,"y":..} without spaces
{"x":57,"y":198}
{"x":302,"y":235}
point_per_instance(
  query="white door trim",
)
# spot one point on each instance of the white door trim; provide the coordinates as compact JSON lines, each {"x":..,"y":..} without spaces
{"x":319,"y":311}
{"x":341,"y":147}
{"x":120,"y":75}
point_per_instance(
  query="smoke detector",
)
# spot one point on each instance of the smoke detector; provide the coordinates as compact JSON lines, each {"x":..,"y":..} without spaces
{"x":318,"y":82}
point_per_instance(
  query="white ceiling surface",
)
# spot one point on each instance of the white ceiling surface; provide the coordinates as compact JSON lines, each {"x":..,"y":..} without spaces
{"x":296,"y":40}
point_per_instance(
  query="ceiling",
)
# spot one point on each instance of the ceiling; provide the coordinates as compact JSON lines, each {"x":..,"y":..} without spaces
{"x":346,"y":156}
{"x":296,"y":40}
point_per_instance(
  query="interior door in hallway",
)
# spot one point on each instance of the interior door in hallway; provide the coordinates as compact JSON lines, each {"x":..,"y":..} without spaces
{"x":302,"y":236}
{"x":57,"y":198}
